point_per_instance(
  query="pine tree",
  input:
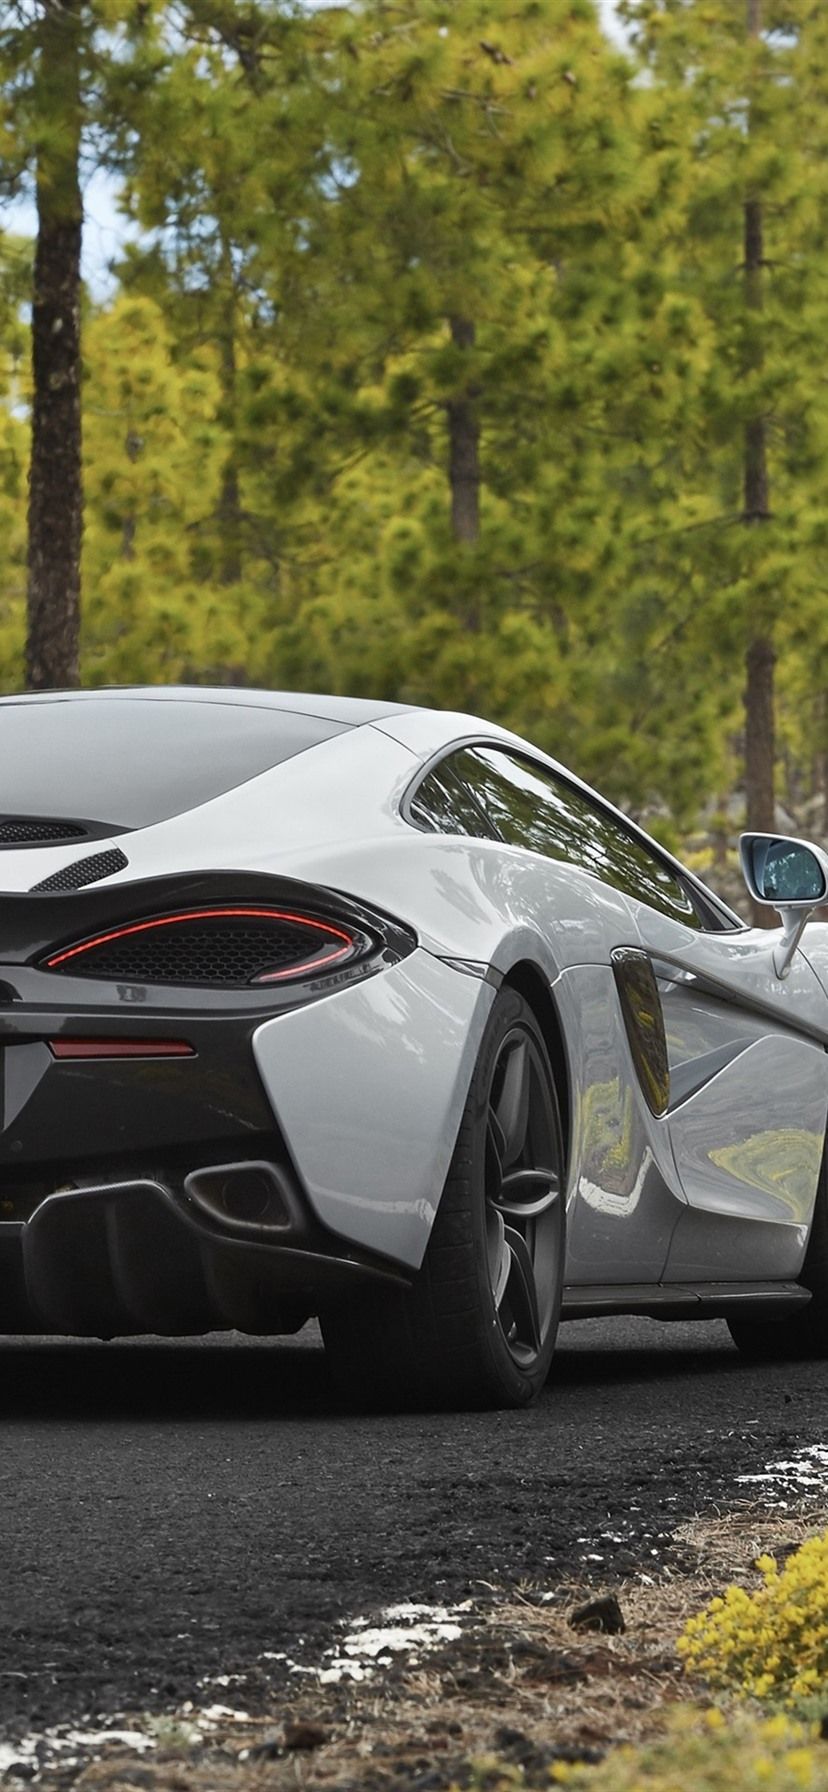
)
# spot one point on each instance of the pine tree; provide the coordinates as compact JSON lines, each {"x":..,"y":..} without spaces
{"x":472,"y":157}
{"x":15,"y":286}
{"x":446,"y":309}
{"x":155,"y":452}
{"x":739,"y":88}
{"x":209,"y":153}
{"x":43,"y":52}
{"x":54,"y":56}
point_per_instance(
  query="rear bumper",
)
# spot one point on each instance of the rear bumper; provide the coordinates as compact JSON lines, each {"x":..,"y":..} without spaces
{"x":119,"y":1103}
{"x":134,"y":1257}
{"x":360,"y":1090}
{"x":153,"y":1194}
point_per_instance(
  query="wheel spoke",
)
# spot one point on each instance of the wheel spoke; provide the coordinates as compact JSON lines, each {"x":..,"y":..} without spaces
{"x":511,"y":1109}
{"x":521,"y":1291}
{"x":524,"y":1194}
{"x":528,"y":1178}
{"x":500,"y":1257}
{"x":496,"y":1141}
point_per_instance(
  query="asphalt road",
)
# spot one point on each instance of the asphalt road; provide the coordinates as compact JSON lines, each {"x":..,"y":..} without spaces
{"x":171,"y":1512}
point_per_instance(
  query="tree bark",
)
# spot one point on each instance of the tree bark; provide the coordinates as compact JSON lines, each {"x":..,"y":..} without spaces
{"x":464,"y":446}
{"x":55,"y":478}
{"x":820,"y":774}
{"x":229,"y":502}
{"x":760,"y":660}
{"x":759,"y":735}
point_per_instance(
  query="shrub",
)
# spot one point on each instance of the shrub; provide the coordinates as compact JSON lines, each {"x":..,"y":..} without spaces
{"x":704,"y":1753}
{"x":771,"y":1644}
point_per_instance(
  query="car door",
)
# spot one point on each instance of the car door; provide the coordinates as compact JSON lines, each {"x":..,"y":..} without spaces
{"x":712,"y":1175}
{"x":624,"y":1195}
{"x":745,"y":1084}
{"x":748,"y":1097}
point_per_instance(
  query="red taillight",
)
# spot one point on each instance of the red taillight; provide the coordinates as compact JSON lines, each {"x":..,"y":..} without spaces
{"x":312,"y":964}
{"x":233,"y":946}
{"x":121,"y":1048}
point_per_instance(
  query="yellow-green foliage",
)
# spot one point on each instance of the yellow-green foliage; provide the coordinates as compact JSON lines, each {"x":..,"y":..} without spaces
{"x":379,"y":244}
{"x":154,"y":451}
{"x":772,"y":1643}
{"x":703,"y":1753}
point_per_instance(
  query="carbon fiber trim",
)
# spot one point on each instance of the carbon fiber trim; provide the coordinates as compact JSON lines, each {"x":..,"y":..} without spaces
{"x":644,"y":1020}
{"x":35,"y":830}
{"x":85,"y":871}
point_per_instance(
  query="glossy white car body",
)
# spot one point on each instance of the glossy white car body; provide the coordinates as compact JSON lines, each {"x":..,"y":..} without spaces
{"x":703,"y":1207}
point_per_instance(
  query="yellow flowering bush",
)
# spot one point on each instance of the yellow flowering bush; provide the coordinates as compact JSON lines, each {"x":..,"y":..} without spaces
{"x":772,"y":1643}
{"x":705,"y":1753}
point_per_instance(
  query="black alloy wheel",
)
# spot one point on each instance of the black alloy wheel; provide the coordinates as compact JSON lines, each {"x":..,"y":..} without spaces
{"x":478,"y":1326}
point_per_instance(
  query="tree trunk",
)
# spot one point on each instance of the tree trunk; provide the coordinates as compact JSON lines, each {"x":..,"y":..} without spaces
{"x":229,"y":502}
{"x":761,"y":656}
{"x":759,"y":735}
{"x":821,"y":765}
{"x":55,"y":479}
{"x":464,"y":447}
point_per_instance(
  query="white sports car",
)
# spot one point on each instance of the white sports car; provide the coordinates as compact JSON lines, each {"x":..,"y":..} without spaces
{"x":315,"y":1005}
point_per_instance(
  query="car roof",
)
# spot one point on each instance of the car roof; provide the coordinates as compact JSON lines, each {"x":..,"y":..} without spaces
{"x":424,"y":730}
{"x":349,"y":711}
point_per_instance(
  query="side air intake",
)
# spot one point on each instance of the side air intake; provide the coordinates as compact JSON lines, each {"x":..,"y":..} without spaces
{"x":85,"y":871}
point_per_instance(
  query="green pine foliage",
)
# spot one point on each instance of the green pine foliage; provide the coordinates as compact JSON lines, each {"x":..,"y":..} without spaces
{"x":735,"y":118}
{"x":431,"y":368}
{"x":153,"y":456}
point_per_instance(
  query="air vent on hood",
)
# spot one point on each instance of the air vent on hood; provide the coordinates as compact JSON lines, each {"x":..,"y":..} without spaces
{"x":85,"y":871}
{"x":32,"y":830}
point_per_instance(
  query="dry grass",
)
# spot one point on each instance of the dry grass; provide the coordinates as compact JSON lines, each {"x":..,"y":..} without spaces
{"x":521,"y":1687}
{"x":730,"y":1545}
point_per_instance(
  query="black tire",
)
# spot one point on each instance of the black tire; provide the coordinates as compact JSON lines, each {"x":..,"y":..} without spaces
{"x":805,"y":1334}
{"x":477,"y":1327}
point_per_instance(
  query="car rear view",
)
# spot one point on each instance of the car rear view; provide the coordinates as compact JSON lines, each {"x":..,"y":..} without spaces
{"x":145,"y":1182}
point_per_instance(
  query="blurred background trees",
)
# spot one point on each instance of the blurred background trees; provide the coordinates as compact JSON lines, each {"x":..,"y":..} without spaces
{"x":452,"y":353}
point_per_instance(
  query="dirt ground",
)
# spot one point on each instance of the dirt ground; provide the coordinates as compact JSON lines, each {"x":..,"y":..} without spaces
{"x":525,"y":1684}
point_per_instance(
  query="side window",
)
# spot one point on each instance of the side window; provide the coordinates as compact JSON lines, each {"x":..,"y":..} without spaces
{"x":443,"y":805}
{"x":526,"y":807}
{"x":531,"y":807}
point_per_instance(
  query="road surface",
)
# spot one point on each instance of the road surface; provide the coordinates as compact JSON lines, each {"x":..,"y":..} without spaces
{"x":169,"y":1512}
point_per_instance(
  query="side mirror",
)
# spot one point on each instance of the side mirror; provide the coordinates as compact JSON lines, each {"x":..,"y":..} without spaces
{"x":790,"y":876}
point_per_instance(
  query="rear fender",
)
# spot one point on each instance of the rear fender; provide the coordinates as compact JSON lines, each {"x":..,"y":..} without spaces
{"x":369,"y":1088}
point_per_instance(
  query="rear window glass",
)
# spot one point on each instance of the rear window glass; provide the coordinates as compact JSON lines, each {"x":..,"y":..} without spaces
{"x":129,"y":762}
